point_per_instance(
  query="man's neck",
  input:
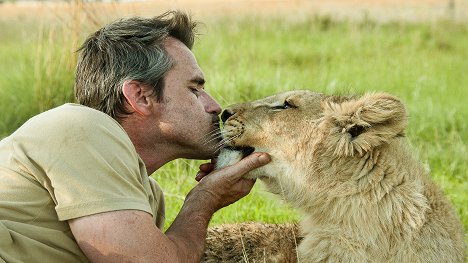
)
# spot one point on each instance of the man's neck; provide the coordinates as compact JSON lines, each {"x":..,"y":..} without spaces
{"x":153,"y":152}
{"x":154,"y":158}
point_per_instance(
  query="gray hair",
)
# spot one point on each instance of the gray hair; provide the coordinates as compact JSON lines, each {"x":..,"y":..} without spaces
{"x":128,"y":49}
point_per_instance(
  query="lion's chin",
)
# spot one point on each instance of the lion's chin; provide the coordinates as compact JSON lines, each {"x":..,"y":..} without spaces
{"x":231,"y":155}
{"x":255,"y":175}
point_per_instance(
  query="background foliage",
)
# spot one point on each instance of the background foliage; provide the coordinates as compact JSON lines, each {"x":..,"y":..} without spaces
{"x":248,"y":57}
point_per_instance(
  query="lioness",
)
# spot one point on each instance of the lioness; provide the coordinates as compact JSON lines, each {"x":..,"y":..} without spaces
{"x":344,"y":163}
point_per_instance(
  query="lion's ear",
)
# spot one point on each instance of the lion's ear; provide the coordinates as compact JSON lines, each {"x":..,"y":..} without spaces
{"x":358,"y":125}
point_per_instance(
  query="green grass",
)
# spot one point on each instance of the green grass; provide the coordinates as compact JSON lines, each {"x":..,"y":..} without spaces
{"x":425,"y":64}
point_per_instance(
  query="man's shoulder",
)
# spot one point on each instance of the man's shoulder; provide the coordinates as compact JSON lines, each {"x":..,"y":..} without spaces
{"x":70,"y":124}
{"x":73,"y":117}
{"x":75,"y":113}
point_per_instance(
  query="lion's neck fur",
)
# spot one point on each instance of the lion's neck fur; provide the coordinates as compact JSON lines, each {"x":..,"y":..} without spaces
{"x":371,"y":201}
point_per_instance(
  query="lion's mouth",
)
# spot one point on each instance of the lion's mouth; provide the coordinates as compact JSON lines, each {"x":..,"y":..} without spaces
{"x":230,"y":155}
{"x":244,"y":150}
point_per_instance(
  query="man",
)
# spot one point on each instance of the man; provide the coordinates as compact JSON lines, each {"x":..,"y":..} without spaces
{"x":74,"y":180}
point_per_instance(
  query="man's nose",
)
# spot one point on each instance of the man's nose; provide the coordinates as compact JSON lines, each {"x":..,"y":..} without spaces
{"x":214,"y":108}
{"x":211,"y":106}
{"x":226,"y":114}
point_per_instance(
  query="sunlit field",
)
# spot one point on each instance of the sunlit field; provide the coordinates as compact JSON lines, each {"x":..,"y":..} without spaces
{"x":247,"y":57}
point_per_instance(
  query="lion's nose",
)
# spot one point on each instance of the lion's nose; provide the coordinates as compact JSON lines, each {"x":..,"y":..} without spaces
{"x":225,"y":115}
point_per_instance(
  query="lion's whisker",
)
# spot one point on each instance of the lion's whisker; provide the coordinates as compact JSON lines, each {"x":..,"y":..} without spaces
{"x":214,"y":131}
{"x":217,"y":137}
{"x":225,"y":141}
{"x":211,"y":136}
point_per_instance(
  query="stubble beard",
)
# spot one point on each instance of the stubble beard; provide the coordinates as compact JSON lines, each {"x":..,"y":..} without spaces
{"x":209,"y":145}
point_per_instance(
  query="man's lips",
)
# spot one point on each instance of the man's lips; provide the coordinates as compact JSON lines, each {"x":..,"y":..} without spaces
{"x":215,"y":124}
{"x":215,"y":120}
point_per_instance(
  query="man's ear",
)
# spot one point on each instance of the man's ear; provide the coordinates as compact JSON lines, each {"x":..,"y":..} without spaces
{"x":139,"y":97}
{"x":359,"y":125}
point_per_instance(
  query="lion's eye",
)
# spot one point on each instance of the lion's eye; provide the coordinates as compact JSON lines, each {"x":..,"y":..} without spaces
{"x":286,"y":105}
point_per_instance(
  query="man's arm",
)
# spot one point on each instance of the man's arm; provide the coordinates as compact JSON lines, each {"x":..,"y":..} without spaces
{"x":131,"y":235}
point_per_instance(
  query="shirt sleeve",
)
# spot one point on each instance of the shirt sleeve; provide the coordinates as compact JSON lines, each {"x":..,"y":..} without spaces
{"x":86,"y":161}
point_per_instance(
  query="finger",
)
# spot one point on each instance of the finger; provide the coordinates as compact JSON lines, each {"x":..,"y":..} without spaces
{"x":206,"y":167}
{"x":200,"y":176}
{"x":247,"y":164}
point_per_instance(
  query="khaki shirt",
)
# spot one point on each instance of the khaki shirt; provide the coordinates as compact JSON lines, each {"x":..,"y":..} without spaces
{"x":68,"y":162}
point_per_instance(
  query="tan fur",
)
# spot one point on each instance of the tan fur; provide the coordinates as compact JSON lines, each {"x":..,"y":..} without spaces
{"x":345,"y":164}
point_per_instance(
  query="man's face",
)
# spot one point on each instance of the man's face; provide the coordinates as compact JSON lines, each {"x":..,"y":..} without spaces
{"x":188,"y":115}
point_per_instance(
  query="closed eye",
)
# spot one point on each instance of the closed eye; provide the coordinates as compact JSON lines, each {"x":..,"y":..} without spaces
{"x":195,"y":91}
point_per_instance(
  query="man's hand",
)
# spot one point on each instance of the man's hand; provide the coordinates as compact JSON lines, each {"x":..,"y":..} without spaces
{"x":227,"y":185}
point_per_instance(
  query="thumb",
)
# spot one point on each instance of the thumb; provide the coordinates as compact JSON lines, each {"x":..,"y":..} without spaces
{"x":247,"y":164}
